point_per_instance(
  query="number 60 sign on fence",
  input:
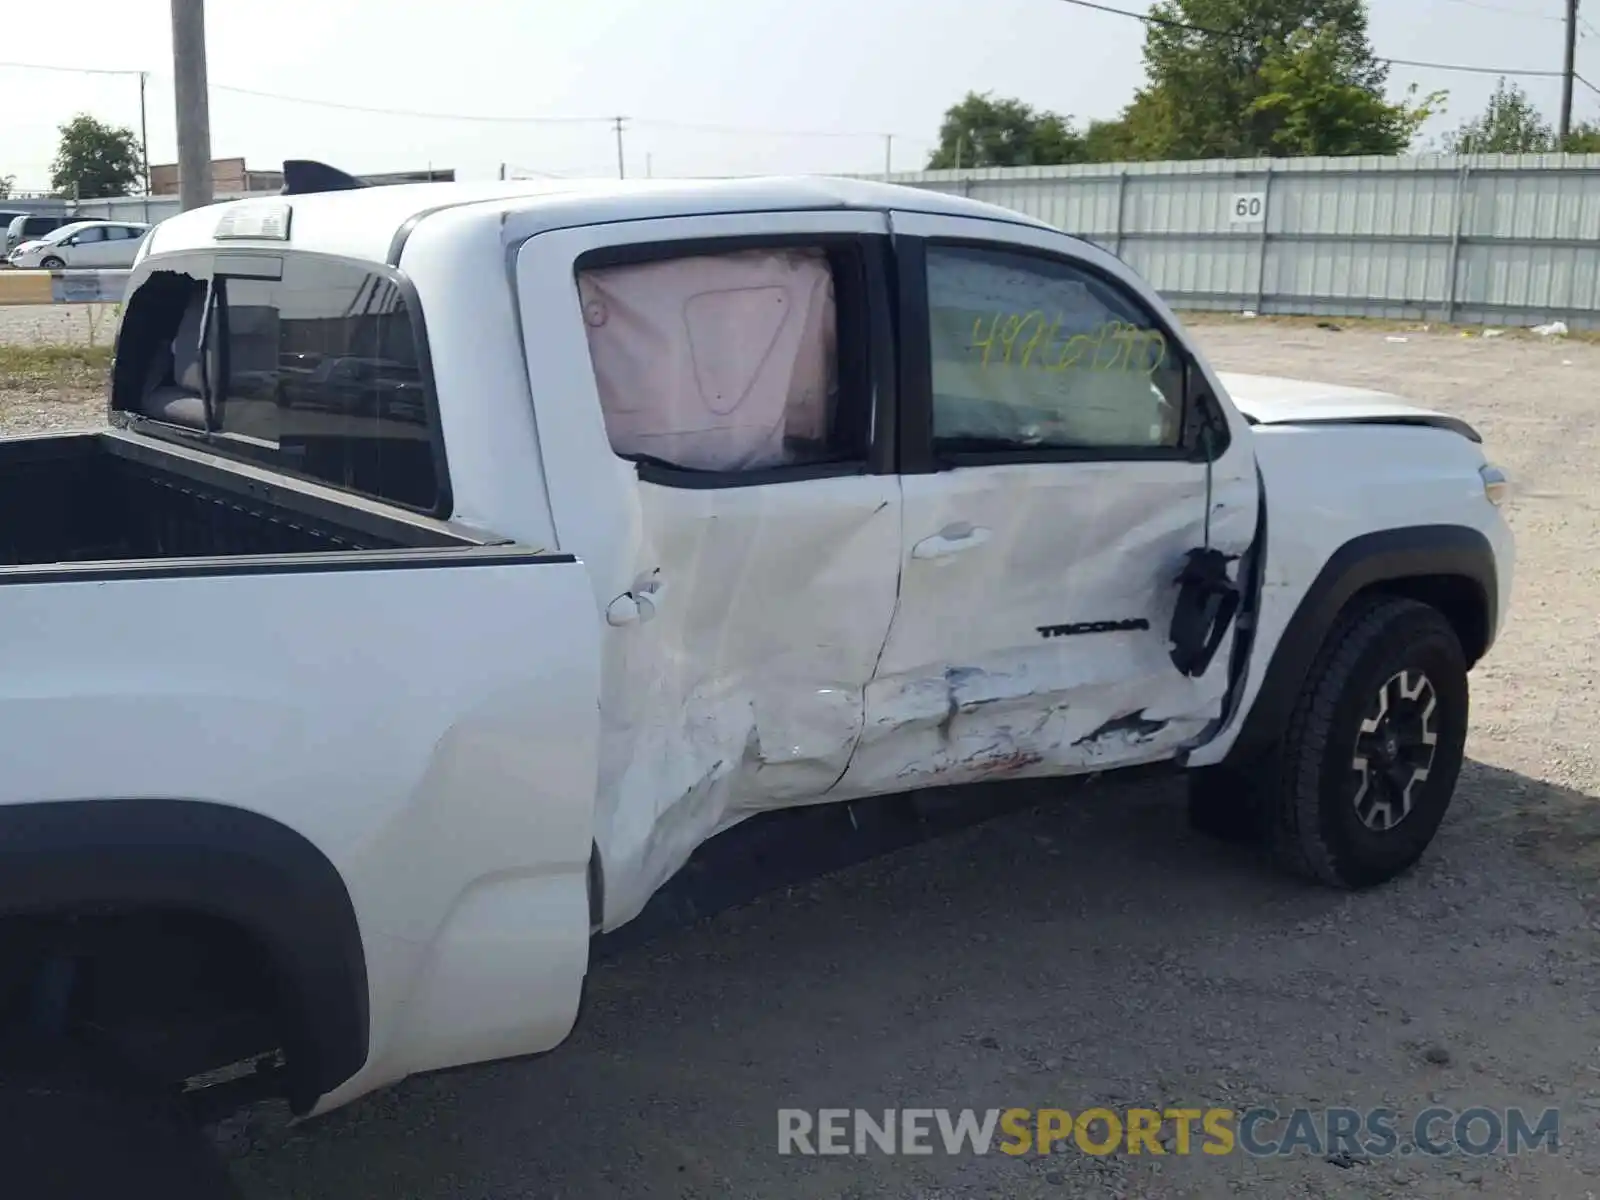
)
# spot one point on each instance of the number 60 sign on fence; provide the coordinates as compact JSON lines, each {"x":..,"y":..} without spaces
{"x":1247,"y":208}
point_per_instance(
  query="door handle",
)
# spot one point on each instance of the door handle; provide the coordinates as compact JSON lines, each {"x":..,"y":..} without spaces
{"x":639,"y":605}
{"x":624,"y":610}
{"x":952,"y":539}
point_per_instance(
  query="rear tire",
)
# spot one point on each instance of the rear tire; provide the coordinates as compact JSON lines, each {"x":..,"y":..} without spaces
{"x":51,"y":263}
{"x":73,"y":1126}
{"x":1375,"y":742}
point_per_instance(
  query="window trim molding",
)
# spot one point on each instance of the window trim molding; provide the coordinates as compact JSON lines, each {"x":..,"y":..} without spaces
{"x":689,"y":479}
{"x":877,"y":333}
{"x":201,"y":264}
{"x":919,"y":451}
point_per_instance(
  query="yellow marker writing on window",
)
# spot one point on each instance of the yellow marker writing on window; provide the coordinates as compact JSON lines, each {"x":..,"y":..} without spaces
{"x":997,"y":340}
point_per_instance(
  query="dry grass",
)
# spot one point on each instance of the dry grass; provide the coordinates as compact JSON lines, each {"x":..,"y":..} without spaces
{"x":52,"y":388}
{"x":33,"y":367}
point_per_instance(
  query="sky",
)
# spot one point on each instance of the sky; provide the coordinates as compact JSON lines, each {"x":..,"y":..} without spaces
{"x":706,"y":87}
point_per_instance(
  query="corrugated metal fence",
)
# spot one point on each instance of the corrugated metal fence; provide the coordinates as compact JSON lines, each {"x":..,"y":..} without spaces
{"x":148,"y":209}
{"x":1490,"y":239}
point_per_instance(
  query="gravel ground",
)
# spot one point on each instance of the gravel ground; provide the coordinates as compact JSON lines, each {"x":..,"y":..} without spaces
{"x":1095,"y":952}
{"x":56,"y":324}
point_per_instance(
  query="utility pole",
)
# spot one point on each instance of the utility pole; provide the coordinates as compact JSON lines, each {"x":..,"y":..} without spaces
{"x":888,"y":155}
{"x":144,"y":132}
{"x":194,"y":114}
{"x":622,"y":172}
{"x":1568,"y":68}
{"x":502,"y":172}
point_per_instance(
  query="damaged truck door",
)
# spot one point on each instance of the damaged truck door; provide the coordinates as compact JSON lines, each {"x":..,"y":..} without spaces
{"x":1061,"y":454}
{"x":716,"y":385}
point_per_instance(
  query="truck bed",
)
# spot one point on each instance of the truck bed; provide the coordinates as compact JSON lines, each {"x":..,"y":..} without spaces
{"x":116,"y":496}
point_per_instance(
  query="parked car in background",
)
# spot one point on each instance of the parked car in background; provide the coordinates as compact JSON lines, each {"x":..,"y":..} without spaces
{"x":23,"y":227}
{"x":82,"y":244}
{"x":8,"y":215}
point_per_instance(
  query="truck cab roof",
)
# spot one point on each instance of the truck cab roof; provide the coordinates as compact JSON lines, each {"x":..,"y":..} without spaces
{"x":372,"y":222}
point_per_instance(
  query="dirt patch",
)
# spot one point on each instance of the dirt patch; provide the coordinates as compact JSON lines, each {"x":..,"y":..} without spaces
{"x":52,"y":389}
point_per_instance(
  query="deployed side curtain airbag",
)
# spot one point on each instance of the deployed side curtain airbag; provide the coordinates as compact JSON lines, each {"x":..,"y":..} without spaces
{"x":719,"y":362}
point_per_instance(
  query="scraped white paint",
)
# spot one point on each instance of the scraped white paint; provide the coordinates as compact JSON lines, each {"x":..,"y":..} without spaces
{"x":743,"y":691}
{"x":1273,"y":400}
{"x":798,"y":645}
{"x":968,"y":687}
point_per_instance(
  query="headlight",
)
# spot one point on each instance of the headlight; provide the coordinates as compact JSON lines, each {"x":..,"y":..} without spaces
{"x":1496,"y":483}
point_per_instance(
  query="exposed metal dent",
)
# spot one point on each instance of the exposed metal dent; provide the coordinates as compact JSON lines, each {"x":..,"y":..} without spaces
{"x":1135,"y":725}
{"x":709,"y":766}
{"x":967,"y":725}
{"x":1267,"y":400}
{"x":744,"y":693}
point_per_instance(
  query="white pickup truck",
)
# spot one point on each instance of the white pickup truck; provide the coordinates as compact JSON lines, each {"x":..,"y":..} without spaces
{"x":461,"y":559}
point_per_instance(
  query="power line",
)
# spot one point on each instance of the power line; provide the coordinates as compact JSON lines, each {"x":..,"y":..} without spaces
{"x":654,"y":122}
{"x":1148,"y":19}
{"x":700,"y":127}
{"x":412,"y":113}
{"x":482,"y":118}
{"x":1433,"y":66}
{"x":1515,"y":12}
{"x":1169,"y":23}
{"x":67,"y":70}
{"x":692,"y":126}
{"x":361,"y":108}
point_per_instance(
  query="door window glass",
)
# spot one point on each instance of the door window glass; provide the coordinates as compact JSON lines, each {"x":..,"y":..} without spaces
{"x":1034,"y":353}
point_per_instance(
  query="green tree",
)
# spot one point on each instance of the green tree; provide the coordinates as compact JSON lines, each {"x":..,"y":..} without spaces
{"x":1316,"y":107}
{"x":1279,"y":77}
{"x":7,"y":182}
{"x":94,"y":159}
{"x":981,"y":131}
{"x":1510,"y":124}
{"x":1109,"y":141}
{"x":1584,"y":139}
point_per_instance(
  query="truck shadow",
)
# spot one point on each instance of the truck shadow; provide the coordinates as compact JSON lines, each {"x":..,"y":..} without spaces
{"x":1089,"y":951}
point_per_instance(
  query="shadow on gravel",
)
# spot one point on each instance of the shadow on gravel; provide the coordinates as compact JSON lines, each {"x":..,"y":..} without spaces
{"x":1558,"y":826}
{"x":1066,"y":953}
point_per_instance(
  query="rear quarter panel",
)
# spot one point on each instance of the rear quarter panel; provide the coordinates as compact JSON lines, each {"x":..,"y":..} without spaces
{"x":430,"y":729}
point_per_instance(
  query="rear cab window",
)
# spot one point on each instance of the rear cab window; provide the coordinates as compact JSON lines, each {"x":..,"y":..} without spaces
{"x":302,"y":363}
